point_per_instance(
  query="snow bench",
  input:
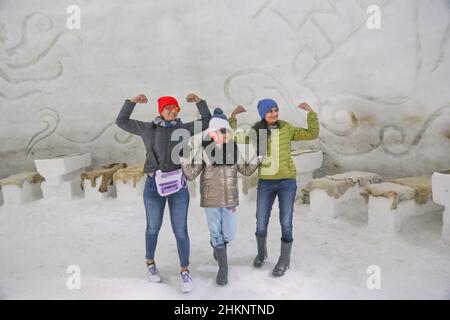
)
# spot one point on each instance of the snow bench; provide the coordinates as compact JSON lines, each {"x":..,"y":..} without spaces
{"x":332,"y":196}
{"x":440,"y":185}
{"x":21,"y":188}
{"x":62,"y":175}
{"x":393,"y":203}
{"x":105,"y":175}
{"x":130,"y":182}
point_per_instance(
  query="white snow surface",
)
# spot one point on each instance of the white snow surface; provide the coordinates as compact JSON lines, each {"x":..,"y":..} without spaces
{"x":330,"y":257}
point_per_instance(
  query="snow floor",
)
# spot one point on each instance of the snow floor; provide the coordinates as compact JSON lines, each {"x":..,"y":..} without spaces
{"x":38,"y":241}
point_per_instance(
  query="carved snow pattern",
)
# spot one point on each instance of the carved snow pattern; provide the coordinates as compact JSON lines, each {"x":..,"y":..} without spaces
{"x":342,"y":124}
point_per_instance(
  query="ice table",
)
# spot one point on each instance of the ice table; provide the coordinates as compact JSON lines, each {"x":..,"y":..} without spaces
{"x":62,"y":175}
{"x":306,"y":162}
{"x":339,"y":194}
{"x":440,"y":185}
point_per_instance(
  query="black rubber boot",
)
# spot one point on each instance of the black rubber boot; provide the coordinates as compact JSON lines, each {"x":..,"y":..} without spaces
{"x":262,"y":252}
{"x":214,"y":251}
{"x":284,"y":260}
{"x":222,"y":275}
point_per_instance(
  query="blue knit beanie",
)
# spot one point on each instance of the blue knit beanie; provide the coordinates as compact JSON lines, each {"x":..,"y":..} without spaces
{"x":218,"y":113}
{"x":265,"y":105}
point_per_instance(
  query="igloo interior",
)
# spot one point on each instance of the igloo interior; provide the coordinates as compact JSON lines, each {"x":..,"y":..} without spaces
{"x":382,"y":99}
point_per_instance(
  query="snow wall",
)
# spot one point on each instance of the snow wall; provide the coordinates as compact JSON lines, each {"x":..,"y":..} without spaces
{"x":382,"y":95}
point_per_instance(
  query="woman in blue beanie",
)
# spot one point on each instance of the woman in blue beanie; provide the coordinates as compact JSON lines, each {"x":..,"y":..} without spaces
{"x":277,"y":175}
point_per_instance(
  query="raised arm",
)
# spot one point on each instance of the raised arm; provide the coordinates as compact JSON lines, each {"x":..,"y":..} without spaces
{"x":203,"y":109}
{"x":241,"y":136}
{"x":123,"y":120}
{"x":298,"y":134}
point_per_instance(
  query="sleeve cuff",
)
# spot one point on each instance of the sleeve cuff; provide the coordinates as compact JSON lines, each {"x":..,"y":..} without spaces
{"x":129,"y":102}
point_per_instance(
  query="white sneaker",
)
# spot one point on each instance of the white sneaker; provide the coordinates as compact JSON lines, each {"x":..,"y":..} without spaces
{"x":153,"y":273}
{"x":186,"y":282}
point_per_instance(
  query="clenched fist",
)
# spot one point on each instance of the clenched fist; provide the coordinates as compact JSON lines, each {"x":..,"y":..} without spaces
{"x":139,"y":99}
{"x":237,"y":110}
{"x":305,"y":107}
{"x":192,"y":97}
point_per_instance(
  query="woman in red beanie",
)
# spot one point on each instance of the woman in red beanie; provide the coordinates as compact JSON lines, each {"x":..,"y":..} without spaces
{"x":165,"y":181}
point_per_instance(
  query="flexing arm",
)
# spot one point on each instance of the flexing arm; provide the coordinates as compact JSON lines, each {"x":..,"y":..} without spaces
{"x":203,"y":109}
{"x":313,"y":126}
{"x":123,"y":120}
{"x":240,"y":136}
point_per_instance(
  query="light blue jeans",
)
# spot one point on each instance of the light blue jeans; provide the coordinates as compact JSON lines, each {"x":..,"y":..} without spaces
{"x":222,"y":225}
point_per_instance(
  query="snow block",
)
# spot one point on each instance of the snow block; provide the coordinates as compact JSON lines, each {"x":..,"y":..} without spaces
{"x":130,"y":182}
{"x":324,"y":206}
{"x":441,"y":195}
{"x":126,"y":191}
{"x":92,"y":193}
{"x":21,"y":188}
{"x":391,"y":206}
{"x":63,"y":175}
{"x":56,"y":168}
{"x":306,"y":162}
{"x":98,"y":183}
{"x":340,"y":194}
{"x":68,"y":187}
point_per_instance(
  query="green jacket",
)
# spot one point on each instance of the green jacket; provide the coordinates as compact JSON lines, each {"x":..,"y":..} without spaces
{"x":279,"y":163}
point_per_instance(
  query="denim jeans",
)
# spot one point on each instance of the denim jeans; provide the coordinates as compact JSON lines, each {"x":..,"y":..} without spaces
{"x":286,"y":190}
{"x":154,"y":209}
{"x":221,"y":225}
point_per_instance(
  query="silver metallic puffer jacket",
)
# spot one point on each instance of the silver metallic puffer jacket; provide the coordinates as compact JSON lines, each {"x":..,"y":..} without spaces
{"x":218,"y":183}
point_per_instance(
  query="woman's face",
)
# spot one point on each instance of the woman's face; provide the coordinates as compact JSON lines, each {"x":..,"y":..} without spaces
{"x":272,"y":116}
{"x":170,"y":112}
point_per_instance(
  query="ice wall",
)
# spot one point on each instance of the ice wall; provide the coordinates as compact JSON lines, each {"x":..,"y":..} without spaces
{"x":382,"y":96}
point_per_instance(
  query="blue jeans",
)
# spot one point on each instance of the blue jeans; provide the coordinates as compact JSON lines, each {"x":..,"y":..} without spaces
{"x":286,"y":190}
{"x":221,"y":225}
{"x":154,"y":210}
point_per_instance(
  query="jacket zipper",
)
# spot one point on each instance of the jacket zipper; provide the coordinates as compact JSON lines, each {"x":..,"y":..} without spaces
{"x":225,"y":185}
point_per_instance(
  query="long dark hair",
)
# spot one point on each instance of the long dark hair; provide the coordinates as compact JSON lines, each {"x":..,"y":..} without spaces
{"x":261,"y":148}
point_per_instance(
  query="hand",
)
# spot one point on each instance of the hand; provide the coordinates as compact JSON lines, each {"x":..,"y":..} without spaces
{"x":139,"y":99}
{"x":264,"y":160}
{"x":192,"y":97}
{"x":237,"y":110}
{"x":305,"y":107}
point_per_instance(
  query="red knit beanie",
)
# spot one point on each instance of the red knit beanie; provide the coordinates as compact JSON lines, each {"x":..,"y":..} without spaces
{"x":165,"y":101}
